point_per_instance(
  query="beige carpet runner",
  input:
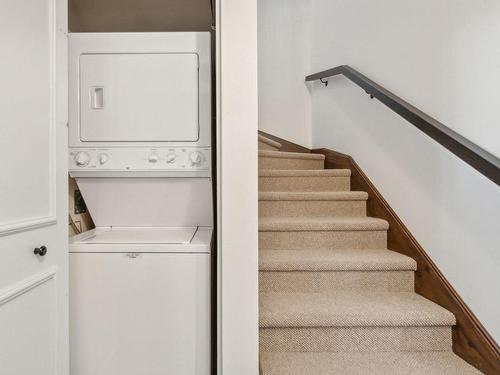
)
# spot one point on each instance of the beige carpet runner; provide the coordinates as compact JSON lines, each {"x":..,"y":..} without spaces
{"x":333,"y":299}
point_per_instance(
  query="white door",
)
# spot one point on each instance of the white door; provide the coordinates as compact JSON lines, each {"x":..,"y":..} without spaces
{"x":33,"y":187}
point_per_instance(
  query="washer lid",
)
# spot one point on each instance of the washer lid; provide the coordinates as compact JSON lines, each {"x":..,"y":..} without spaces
{"x":160,"y":235}
{"x":148,"y":202}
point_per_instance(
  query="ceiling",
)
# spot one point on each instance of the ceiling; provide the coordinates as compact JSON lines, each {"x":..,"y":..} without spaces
{"x":139,"y":15}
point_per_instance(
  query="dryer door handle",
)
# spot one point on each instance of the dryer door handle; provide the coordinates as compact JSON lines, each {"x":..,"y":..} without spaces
{"x":97,"y":97}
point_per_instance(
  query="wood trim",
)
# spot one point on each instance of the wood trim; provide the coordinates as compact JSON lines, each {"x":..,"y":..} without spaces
{"x":285,"y":145}
{"x":471,"y":341}
{"x":24,"y":286}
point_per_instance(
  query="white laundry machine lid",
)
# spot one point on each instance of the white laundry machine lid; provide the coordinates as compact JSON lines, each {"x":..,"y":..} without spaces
{"x":148,"y":202}
{"x":143,"y":240}
{"x":122,"y":235}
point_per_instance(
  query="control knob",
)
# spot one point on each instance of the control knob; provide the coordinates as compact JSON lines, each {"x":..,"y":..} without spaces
{"x":103,"y":158}
{"x":82,"y":159}
{"x":196,"y":158}
{"x":153,"y":157}
{"x":171,"y":157}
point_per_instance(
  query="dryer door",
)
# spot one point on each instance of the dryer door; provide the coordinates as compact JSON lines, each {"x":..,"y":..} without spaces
{"x":139,"y":97}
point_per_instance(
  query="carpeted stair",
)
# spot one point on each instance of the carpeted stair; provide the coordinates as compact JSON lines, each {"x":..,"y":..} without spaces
{"x":333,"y":299}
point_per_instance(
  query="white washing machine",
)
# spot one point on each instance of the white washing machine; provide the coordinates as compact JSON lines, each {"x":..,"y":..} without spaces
{"x":139,"y":137}
{"x":140,"y":302}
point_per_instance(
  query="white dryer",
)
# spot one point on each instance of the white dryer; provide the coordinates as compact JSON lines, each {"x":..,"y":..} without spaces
{"x":140,"y":150}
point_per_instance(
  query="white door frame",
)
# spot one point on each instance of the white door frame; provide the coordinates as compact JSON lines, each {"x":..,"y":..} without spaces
{"x":34,"y":285}
{"x":237,"y":194}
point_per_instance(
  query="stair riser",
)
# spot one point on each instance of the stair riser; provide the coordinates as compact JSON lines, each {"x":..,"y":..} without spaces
{"x":295,"y":240}
{"x":312,"y":208}
{"x":292,"y":163}
{"x":265,"y":146}
{"x":305,"y":184}
{"x":371,"y":363}
{"x":355,"y":339}
{"x":327,"y":281}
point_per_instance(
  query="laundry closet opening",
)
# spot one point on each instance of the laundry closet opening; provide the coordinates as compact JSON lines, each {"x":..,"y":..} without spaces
{"x":141,"y":159}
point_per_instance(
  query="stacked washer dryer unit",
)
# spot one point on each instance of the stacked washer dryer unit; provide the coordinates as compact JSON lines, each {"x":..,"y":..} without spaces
{"x":140,"y":150}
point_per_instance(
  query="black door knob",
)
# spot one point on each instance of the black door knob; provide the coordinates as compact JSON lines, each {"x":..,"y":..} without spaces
{"x":42,"y":250}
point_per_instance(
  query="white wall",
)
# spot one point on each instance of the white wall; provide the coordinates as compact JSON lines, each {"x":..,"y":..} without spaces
{"x":284,"y":54}
{"x":237,"y":186}
{"x":442,"y":56}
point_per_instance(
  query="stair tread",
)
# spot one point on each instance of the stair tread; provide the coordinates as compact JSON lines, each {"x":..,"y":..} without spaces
{"x":314,"y":196}
{"x":334,"y":260}
{"x":269,"y":141}
{"x":283,"y":224}
{"x":304,"y":173}
{"x":350,"y":309}
{"x":290,"y":155}
{"x":360,"y":363}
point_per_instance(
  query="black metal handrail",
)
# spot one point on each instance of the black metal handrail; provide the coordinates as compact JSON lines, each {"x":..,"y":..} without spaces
{"x":481,"y":160}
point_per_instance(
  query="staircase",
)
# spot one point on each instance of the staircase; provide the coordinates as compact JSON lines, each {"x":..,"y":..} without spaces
{"x":333,"y":299}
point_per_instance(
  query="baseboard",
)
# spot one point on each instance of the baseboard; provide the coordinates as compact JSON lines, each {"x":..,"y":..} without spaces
{"x":286,"y":145}
{"x":471,"y":341}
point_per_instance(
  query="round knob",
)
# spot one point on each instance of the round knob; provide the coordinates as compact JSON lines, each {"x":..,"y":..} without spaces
{"x":82,"y":159}
{"x":196,"y":158}
{"x":153,"y":158}
{"x":171,"y":157}
{"x":103,"y":158}
{"x":42,"y":250}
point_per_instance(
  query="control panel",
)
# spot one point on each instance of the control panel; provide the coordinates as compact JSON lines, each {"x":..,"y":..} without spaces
{"x":117,"y":160}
